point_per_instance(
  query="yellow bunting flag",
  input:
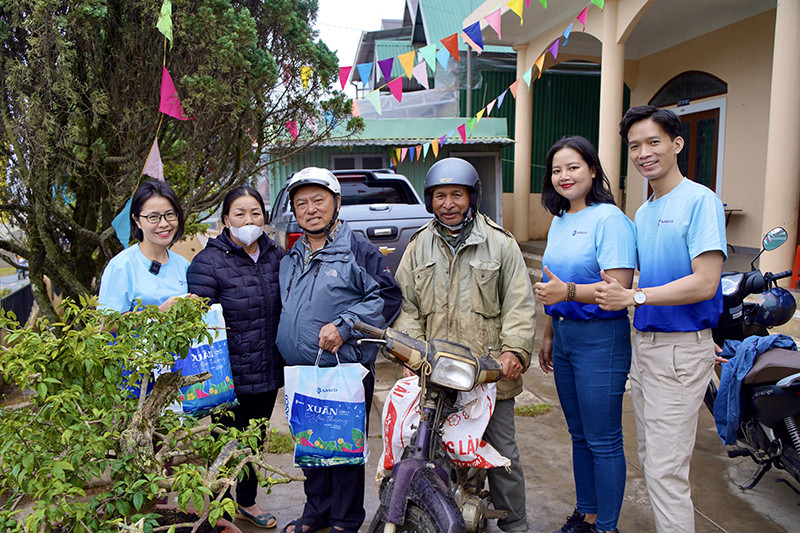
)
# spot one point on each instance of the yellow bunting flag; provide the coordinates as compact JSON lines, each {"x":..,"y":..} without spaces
{"x":407,"y":62}
{"x":435,"y":146}
{"x":305,"y":76}
{"x":540,"y":65}
{"x":516,"y":7}
{"x":479,"y":115}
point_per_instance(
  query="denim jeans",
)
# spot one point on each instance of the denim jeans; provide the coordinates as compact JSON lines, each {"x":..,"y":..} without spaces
{"x":591,"y":360}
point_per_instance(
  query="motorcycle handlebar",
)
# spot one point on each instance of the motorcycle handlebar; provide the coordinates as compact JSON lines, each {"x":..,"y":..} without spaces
{"x":779,"y":275}
{"x":372,"y":331}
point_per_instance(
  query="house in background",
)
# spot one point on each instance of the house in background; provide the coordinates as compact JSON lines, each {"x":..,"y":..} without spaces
{"x":731,"y":70}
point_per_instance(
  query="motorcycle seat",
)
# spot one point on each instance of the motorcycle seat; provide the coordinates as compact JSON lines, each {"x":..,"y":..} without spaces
{"x":772,"y":366}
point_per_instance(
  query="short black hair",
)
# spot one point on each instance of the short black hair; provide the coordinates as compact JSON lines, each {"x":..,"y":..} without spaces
{"x":665,"y":118}
{"x":600,"y":193}
{"x":238,"y":192}
{"x":147,"y":190}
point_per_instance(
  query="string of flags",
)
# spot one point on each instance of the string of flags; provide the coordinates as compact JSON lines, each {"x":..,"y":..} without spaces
{"x":427,"y":57}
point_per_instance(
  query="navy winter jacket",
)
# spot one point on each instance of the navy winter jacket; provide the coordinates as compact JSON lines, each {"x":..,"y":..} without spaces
{"x":347,"y":281}
{"x":251,"y":305}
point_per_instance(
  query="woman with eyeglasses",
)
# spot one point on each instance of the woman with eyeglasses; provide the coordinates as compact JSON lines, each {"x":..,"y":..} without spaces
{"x":148,"y":271}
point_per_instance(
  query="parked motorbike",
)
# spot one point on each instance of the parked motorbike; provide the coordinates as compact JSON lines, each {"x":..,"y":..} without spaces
{"x":770,"y":394}
{"x":426,"y":491}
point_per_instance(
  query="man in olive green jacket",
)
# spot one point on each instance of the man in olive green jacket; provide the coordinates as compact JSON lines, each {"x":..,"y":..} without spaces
{"x":463,"y":279}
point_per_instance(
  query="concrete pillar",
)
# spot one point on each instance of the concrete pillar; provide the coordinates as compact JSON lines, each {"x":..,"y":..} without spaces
{"x":782,"y":174}
{"x":612,"y":72}
{"x":522,"y":151}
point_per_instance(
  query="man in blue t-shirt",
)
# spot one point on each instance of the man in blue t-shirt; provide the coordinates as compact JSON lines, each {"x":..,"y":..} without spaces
{"x":680,"y":239}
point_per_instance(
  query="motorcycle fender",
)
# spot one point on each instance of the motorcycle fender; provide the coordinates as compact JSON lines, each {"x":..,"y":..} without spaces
{"x":770,"y":404}
{"x":414,"y":480}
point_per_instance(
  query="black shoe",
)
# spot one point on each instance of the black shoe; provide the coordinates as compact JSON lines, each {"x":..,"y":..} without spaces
{"x":577,"y":524}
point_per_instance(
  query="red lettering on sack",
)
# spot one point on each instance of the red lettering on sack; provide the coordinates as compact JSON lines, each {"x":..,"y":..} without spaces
{"x":449,"y":446}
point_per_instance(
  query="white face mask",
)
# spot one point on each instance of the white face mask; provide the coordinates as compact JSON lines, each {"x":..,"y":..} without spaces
{"x":247,"y":234}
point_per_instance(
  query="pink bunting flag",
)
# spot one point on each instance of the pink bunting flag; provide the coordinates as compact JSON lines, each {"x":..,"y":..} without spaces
{"x":344,"y":75}
{"x":420,"y":73}
{"x":582,"y":17}
{"x":356,"y":110}
{"x":490,"y":107}
{"x":396,"y":86}
{"x":153,"y":166}
{"x":493,"y":19}
{"x":527,"y":4}
{"x":554,"y":49}
{"x":292,"y":127}
{"x":386,"y":67}
{"x":311,"y":123}
{"x":513,"y":88}
{"x":462,"y":130}
{"x":404,"y":152}
{"x":170,"y":103}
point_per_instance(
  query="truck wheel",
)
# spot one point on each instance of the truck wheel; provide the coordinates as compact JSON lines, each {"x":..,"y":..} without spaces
{"x":417,"y":521}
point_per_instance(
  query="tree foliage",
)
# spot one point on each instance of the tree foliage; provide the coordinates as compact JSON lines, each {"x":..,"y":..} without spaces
{"x":81,"y":452}
{"x":79,"y":98}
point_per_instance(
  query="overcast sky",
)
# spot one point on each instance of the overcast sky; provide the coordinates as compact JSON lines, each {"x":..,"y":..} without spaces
{"x":340,"y":23}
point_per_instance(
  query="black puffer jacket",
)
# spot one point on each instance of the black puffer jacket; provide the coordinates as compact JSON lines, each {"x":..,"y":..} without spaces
{"x":251,"y":305}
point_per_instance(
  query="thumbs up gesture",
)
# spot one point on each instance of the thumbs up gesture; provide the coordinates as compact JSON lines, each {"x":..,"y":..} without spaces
{"x":611,"y":295}
{"x":551,"y":292}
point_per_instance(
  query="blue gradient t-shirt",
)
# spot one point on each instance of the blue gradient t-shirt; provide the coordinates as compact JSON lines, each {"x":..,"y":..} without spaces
{"x":670,"y":232}
{"x":579,"y":245}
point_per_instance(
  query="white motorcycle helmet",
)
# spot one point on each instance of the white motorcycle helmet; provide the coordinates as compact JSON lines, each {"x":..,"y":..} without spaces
{"x":321,"y":177}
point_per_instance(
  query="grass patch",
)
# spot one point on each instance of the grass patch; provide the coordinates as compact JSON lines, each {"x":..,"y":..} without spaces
{"x":280,"y":442}
{"x":533,"y":410}
{"x":7,"y":271}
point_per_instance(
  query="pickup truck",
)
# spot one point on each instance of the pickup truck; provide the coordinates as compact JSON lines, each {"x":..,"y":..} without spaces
{"x":379,"y":204}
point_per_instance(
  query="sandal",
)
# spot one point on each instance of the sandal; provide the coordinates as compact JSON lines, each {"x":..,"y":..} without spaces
{"x":266,"y":520}
{"x":298,"y":522}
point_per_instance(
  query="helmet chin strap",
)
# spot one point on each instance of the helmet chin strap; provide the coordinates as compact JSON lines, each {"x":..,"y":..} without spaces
{"x":327,"y":229}
{"x":457,"y":227}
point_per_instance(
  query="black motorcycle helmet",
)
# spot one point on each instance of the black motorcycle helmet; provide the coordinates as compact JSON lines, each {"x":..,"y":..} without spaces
{"x":453,"y":171}
{"x":775,"y":307}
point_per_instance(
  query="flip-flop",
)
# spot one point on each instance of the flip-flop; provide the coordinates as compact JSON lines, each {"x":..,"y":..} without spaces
{"x":262,"y":520}
{"x":298,"y":523}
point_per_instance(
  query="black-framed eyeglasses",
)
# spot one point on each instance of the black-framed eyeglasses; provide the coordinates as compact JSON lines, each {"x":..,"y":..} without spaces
{"x":153,"y":218}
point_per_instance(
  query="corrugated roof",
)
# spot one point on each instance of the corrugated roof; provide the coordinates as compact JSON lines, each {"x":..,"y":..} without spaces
{"x":413,"y":131}
{"x":387,"y":49}
{"x":443,"y":18}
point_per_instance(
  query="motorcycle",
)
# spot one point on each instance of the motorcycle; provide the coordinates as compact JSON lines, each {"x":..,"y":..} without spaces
{"x":426,"y":490}
{"x":770,"y":394}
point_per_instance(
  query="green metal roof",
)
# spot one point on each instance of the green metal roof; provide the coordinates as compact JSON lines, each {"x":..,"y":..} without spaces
{"x":413,"y":131}
{"x":387,"y":49}
{"x":443,"y":18}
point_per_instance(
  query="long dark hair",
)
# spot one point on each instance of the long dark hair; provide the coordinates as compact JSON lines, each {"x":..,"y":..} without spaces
{"x":147,"y":190}
{"x":600,"y":193}
{"x":238,"y":192}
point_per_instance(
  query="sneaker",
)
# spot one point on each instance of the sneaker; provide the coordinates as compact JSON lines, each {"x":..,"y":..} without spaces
{"x":577,"y":524}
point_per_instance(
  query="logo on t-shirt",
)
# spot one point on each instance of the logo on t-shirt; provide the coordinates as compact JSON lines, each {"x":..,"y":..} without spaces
{"x":576,"y":232}
{"x":668,"y":221}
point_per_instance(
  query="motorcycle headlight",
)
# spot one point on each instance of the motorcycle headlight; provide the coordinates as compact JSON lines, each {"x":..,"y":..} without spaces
{"x":458,"y":374}
{"x":730,"y":284}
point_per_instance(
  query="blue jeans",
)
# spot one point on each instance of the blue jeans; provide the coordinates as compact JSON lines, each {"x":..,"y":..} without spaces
{"x":591,"y":360}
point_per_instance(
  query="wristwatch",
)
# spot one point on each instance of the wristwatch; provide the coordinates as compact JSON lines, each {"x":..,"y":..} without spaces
{"x":639,"y":297}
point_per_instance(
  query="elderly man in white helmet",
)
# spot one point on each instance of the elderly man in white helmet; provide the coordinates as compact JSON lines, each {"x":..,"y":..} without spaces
{"x":464,"y":279}
{"x":331,"y":278}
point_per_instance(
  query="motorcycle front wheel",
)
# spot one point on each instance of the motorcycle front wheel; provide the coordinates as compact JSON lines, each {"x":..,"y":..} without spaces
{"x":416,"y":521}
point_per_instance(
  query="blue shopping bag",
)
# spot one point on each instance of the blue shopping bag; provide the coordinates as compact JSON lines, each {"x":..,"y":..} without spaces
{"x":326,"y":411}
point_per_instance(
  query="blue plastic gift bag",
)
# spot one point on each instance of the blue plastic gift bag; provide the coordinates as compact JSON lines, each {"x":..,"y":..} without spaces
{"x":217,"y":391}
{"x":326,"y":411}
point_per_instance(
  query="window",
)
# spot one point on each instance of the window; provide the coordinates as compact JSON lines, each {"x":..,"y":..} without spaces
{"x":688,"y":86}
{"x":356,"y":161}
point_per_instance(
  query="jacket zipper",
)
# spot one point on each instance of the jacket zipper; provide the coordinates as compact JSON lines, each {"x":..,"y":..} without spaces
{"x":291,"y":278}
{"x":314,"y":282}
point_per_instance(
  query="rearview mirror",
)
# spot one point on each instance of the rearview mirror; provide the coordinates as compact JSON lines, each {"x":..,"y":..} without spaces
{"x":774,"y":238}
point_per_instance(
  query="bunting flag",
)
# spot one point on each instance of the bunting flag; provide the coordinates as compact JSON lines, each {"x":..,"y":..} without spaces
{"x":419,"y":151}
{"x":386,"y":68}
{"x":396,"y":86}
{"x":462,"y":130}
{"x":582,"y":17}
{"x":471,"y":43}
{"x":490,"y":107}
{"x":479,"y":115}
{"x":375,"y":99}
{"x":554,"y":49}
{"x":428,"y":54}
{"x":311,"y":123}
{"x":473,"y":31}
{"x":513,"y":88}
{"x":443,"y":56}
{"x":364,"y":72}
{"x":443,"y":139}
{"x":170,"y":103}
{"x":291,"y":125}
{"x":305,"y":76}
{"x":286,"y":72}
{"x":540,"y":64}
{"x":527,"y":78}
{"x":501,"y":98}
{"x":425,"y":148}
{"x":407,"y":62}
{"x":451,"y":43}
{"x":435,"y":146}
{"x":344,"y":75}
{"x":493,"y":19}
{"x":544,"y":3}
{"x":516,"y":7}
{"x":471,"y":124}
{"x":122,"y":224}
{"x":164,"y":23}
{"x":356,"y":110}
{"x":566,"y":33}
{"x":153,"y":166}
{"x":420,"y":73}
{"x":599,"y":3}
{"x":398,"y":152}
{"x":404,"y":152}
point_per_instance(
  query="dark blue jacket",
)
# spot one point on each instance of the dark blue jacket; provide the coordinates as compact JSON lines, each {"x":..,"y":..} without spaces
{"x":347,"y":281}
{"x":251,"y":305}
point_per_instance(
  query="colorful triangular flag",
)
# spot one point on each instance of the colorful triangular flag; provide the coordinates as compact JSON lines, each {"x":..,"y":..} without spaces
{"x":428,"y":53}
{"x":493,"y":19}
{"x":122,"y":224}
{"x":599,"y":3}
{"x":451,"y":43}
{"x":526,"y":77}
{"x":344,"y":75}
{"x":364,"y":72}
{"x":396,"y":86}
{"x":386,"y":68}
{"x":420,"y":73}
{"x":305,"y":76}
{"x":490,"y":107}
{"x":291,"y":125}
{"x":566,"y":33}
{"x":419,"y":151}
{"x":170,"y":103}
{"x":516,"y":7}
{"x":404,"y":152}
{"x":425,"y":148}
{"x":471,"y":43}
{"x":540,"y":64}
{"x":501,"y":98}
{"x":153,"y":166}
{"x":407,"y":62}
{"x":443,"y":55}
{"x":513,"y":88}
{"x":582,"y":17}
{"x":435,"y":146}
{"x":398,"y":152}
{"x":375,"y":99}
{"x":311,"y":123}
{"x":462,"y":130}
{"x":356,"y":110}
{"x":554,"y":49}
{"x":471,"y":124}
{"x":473,"y":31}
{"x":164,"y":23}
{"x":479,"y":115}
{"x":544,"y":3}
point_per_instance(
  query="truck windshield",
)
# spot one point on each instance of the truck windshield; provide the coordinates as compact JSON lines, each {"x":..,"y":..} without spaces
{"x":356,"y":192}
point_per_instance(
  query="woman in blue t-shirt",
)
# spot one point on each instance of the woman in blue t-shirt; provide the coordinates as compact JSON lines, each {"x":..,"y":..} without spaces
{"x":148,"y":271}
{"x":588,"y":349}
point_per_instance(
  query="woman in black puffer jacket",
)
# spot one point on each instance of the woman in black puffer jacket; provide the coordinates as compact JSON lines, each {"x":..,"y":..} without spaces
{"x":239,"y":269}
